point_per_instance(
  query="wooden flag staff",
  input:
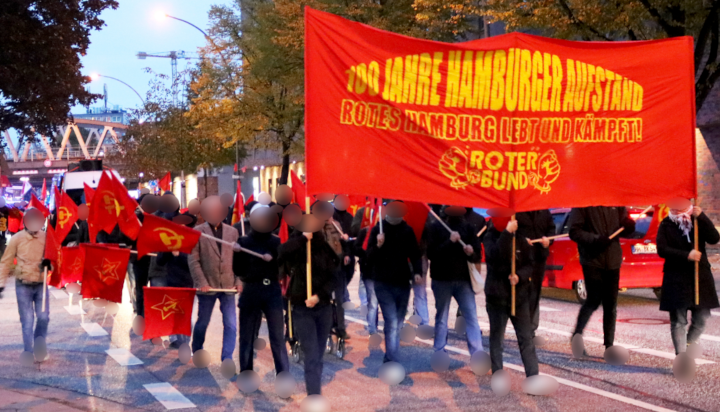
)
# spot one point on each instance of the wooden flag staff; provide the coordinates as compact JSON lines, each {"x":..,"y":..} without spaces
{"x":380,"y":218}
{"x":512,"y":273}
{"x":308,"y":268}
{"x":482,"y":231}
{"x":234,"y":245}
{"x":697,"y":263}
{"x":45,"y":288}
{"x":432,"y":212}
{"x":550,"y":238}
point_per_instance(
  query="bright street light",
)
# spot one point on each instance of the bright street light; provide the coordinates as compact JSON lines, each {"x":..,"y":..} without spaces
{"x":96,"y":76}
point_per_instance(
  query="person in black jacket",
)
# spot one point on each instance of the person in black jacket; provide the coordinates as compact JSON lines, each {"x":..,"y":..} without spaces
{"x":675,"y":244}
{"x":312,"y":318}
{"x":498,"y":257}
{"x":344,"y":219}
{"x":388,"y":256}
{"x":261,"y":292}
{"x":451,"y":277}
{"x":537,"y":224}
{"x":600,"y":257}
{"x":368,"y":281}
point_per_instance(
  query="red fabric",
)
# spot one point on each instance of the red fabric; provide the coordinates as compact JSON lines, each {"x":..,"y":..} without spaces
{"x":168,"y":311}
{"x":238,"y":207}
{"x":473,"y":124}
{"x":127,"y":219}
{"x":161,"y":235}
{"x":250,"y":199}
{"x":416,"y":217}
{"x":4,"y":181}
{"x":298,"y":189}
{"x":356,"y":202}
{"x":43,"y":191}
{"x":37,"y":204}
{"x":67,"y":215}
{"x":284,"y":233}
{"x":104,"y":272}
{"x":660,"y":212}
{"x":165,"y":184}
{"x":71,"y":270}
{"x":53,"y":249}
{"x":103,"y":212}
{"x":15,"y":220}
{"x":370,"y":218}
{"x":89,"y":194}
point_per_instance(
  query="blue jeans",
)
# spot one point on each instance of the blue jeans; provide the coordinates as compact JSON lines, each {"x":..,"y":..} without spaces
{"x":393,"y":301}
{"x":462,"y":291}
{"x":362,"y":293}
{"x":29,"y":300}
{"x":420,"y":301}
{"x":206,"y":304}
{"x":372,"y":305}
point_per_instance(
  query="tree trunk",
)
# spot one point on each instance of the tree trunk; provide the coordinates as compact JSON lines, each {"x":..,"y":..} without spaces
{"x":285,"y":171}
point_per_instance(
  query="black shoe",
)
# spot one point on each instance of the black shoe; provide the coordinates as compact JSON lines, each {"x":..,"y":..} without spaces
{"x":174,"y":345}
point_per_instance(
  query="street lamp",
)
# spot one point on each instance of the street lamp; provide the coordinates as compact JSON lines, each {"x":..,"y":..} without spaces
{"x":96,"y":76}
{"x":162,"y":15}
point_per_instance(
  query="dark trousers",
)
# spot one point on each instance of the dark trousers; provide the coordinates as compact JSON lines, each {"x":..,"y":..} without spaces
{"x":602,"y":288}
{"x":312,"y":326}
{"x":141,"y":267}
{"x":393,"y":302}
{"x":258,"y":299}
{"x":535,"y":292}
{"x":498,"y":315}
{"x":340,"y":280}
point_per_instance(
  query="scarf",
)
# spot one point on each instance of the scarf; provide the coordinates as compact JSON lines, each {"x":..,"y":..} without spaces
{"x":683,"y":220}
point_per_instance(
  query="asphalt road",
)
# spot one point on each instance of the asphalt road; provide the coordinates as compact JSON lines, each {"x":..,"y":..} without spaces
{"x":81,"y":375}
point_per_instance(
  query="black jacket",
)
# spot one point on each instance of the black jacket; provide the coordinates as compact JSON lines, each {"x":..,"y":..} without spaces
{"x":591,"y":226}
{"x":534,"y":225}
{"x":476,"y":220}
{"x":448,"y":261}
{"x":177,"y":269}
{"x":498,"y":255}
{"x":391,"y":263}
{"x":252,"y":269}
{"x":678,"y":287}
{"x":293,"y":257}
{"x":344,"y":219}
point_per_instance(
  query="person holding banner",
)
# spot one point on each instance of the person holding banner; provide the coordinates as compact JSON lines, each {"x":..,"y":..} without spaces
{"x":537,"y":224}
{"x":312,"y":316}
{"x":675,"y":244}
{"x":595,"y":230}
{"x":211,"y":267}
{"x":498,"y":243}
{"x":28,"y":246}
{"x":388,"y":255}
{"x":451,"y":276}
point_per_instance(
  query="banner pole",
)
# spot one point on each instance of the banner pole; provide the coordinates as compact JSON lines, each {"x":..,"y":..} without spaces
{"x":309,"y":255}
{"x":512,"y":272}
{"x":432,"y":212}
{"x":290,"y":330}
{"x":697,"y":264}
{"x":45,"y":287}
{"x":380,"y":218}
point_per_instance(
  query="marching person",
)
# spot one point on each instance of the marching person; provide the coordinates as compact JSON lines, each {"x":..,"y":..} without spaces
{"x":451,"y":276}
{"x":27,"y":247}
{"x":537,"y":224}
{"x":498,"y":257}
{"x":211,"y":267}
{"x":675,"y":244}
{"x":312,"y":318}
{"x":261,"y":293}
{"x":344,"y":219}
{"x":367,"y":281}
{"x":600,"y":257}
{"x":388,"y":256}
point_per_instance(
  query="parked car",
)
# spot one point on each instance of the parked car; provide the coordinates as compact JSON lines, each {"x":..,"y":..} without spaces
{"x":641,"y":267}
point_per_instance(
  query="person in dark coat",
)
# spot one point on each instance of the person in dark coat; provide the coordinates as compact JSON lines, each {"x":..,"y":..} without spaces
{"x":451,"y":276}
{"x":388,"y":256}
{"x":312,"y":318}
{"x":498,"y":257}
{"x":344,"y":219}
{"x":261,"y":293}
{"x":675,"y":244}
{"x":368,"y":281}
{"x":600,"y":257}
{"x":537,"y":224}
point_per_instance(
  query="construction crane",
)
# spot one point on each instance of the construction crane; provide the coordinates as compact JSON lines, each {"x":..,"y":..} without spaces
{"x":173,"y":56}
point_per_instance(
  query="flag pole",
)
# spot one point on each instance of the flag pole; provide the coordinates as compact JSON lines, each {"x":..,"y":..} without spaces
{"x":512,"y":273}
{"x":45,"y":288}
{"x":432,"y":212}
{"x":309,"y":255}
{"x":380,"y":217}
{"x":290,"y":329}
{"x":697,"y":264}
{"x":225,"y":242}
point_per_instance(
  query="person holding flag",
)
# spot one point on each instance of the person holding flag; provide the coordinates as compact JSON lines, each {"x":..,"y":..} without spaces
{"x":676,"y":244}
{"x":28,"y":247}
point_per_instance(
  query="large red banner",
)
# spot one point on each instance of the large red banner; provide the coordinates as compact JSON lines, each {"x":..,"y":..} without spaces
{"x":516,"y":120}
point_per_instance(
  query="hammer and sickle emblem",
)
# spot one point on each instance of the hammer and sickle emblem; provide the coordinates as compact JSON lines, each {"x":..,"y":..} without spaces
{"x":169,"y":238}
{"x":111,"y":203}
{"x":64,"y":216}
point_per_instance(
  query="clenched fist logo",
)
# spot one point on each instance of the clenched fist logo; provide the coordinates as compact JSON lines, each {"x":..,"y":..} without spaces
{"x":548,"y":170}
{"x":454,"y":165}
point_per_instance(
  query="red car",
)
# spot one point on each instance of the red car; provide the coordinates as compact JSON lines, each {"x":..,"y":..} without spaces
{"x":641,"y":268}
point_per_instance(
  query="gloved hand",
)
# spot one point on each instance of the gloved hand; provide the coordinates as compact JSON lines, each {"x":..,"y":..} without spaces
{"x":604,"y":241}
{"x":46,"y":264}
{"x":629,"y":225}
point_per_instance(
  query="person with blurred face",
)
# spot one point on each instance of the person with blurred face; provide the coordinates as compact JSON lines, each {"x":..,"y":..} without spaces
{"x":4,"y":216}
{"x":27,"y":247}
{"x":498,"y":283}
{"x":261,"y":293}
{"x":676,"y":244}
{"x":451,"y":276}
{"x":211,"y":267}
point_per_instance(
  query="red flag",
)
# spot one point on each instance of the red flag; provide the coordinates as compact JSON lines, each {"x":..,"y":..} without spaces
{"x":298,"y":189}
{"x":416,"y":217}
{"x":4,"y":181}
{"x":238,"y":209}
{"x":127,"y":219}
{"x":660,"y":212}
{"x":89,"y":194}
{"x":37,"y":204}
{"x":250,"y":199}
{"x":104,"y":210}
{"x":168,"y":311}
{"x":53,"y":248}
{"x":104,"y":272}
{"x":66,"y":211}
{"x":165,"y":184}
{"x":71,"y":270}
{"x":161,"y":235}
{"x":284,"y":232}
{"x":370,"y":217}
{"x":42,"y":192}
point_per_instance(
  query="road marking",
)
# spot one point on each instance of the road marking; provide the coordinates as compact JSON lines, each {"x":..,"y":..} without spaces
{"x":586,"y":388}
{"x":74,"y":310}
{"x":58,"y":293}
{"x":123,"y":357}
{"x":710,"y":337}
{"x":715,"y":313}
{"x":167,"y":395}
{"x":549,"y":309}
{"x":93,"y":329}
